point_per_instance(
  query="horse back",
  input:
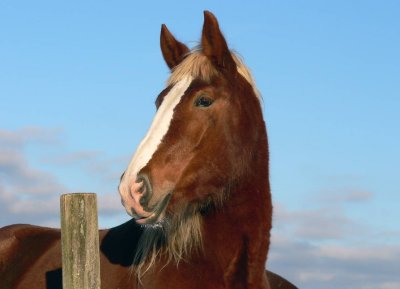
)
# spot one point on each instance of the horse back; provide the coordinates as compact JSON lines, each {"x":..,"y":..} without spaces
{"x":278,"y":282}
{"x":28,"y":254}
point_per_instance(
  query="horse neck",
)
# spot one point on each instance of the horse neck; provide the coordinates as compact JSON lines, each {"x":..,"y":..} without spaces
{"x":237,"y":235}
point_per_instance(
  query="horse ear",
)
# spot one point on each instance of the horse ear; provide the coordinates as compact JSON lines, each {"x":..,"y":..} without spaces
{"x":214,"y":44}
{"x":173,"y":51}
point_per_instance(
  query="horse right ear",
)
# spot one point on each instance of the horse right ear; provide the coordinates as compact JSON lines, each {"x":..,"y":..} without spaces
{"x":173,"y":51}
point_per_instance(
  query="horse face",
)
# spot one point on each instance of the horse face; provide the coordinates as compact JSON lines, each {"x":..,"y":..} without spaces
{"x":192,"y":160}
{"x":193,"y":150}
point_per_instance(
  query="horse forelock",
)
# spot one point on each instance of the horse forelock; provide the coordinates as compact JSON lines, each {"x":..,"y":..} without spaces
{"x":198,"y":66}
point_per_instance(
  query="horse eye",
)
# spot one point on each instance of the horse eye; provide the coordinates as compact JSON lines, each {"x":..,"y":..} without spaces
{"x":203,"y":101}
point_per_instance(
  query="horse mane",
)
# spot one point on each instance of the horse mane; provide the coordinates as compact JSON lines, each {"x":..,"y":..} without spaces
{"x":198,"y":65}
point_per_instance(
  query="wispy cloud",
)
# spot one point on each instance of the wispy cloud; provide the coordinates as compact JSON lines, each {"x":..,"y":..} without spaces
{"x":32,"y":134}
{"x":110,"y":203}
{"x":346,"y":195}
{"x":324,"y":247}
{"x":311,"y":265}
{"x":72,"y":158}
{"x":92,"y":162}
{"x":30,"y":193}
{"x":27,"y":194}
{"x":321,"y":223}
{"x":21,"y":178}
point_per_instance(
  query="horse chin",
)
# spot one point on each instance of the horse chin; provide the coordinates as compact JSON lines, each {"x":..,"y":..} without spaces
{"x":157,"y":217}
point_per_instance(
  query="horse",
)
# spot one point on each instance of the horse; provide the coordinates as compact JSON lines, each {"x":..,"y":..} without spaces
{"x":197,"y":188}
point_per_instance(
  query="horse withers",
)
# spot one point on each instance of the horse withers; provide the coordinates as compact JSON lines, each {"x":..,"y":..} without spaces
{"x":197,"y":188}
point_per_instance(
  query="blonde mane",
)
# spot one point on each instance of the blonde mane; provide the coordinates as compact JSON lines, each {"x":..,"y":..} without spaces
{"x":197,"y":65}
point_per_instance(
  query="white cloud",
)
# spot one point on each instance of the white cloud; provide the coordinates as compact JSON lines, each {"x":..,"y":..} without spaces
{"x":311,"y":265}
{"x":315,"y":276}
{"x":384,"y":285}
{"x":346,"y":195}
{"x":30,"y":207}
{"x":30,"y":194}
{"x":324,"y":223}
{"x":92,"y":162}
{"x":366,"y":253}
{"x":109,"y":203}
{"x":9,"y":138}
{"x":72,"y":158}
{"x":324,"y":247}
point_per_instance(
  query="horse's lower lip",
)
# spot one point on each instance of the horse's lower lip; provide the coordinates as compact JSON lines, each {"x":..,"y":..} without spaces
{"x":146,"y":220}
{"x":155,"y":216}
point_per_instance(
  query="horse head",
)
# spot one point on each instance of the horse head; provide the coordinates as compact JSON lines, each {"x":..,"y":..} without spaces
{"x":203,"y":142}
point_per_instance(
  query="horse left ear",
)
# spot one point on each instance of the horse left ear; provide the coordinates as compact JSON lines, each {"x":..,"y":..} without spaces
{"x":173,"y":51}
{"x":214,"y":45}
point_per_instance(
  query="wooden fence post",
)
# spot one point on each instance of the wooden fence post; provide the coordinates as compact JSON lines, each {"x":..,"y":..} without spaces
{"x":80,"y":241}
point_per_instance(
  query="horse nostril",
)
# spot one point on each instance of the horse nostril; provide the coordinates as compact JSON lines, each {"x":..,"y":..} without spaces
{"x":145,"y":189}
{"x":143,"y":201}
{"x":142,"y":188}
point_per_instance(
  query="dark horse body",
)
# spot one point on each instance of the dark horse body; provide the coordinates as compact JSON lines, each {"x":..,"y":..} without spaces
{"x":197,"y":188}
{"x":30,"y":258}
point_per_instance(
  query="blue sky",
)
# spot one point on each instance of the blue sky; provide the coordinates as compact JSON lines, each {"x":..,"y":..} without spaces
{"x":77,"y":87}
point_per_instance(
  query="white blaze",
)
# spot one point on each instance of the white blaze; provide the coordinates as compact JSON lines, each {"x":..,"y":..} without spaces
{"x":158,"y":129}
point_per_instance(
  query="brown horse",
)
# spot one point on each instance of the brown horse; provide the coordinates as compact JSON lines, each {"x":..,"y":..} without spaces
{"x":197,"y":188}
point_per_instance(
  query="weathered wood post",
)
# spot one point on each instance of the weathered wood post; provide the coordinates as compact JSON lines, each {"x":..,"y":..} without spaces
{"x":80,"y":241}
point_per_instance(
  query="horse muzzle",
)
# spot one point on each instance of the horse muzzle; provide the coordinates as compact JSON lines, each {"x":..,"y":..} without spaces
{"x":137,"y":198}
